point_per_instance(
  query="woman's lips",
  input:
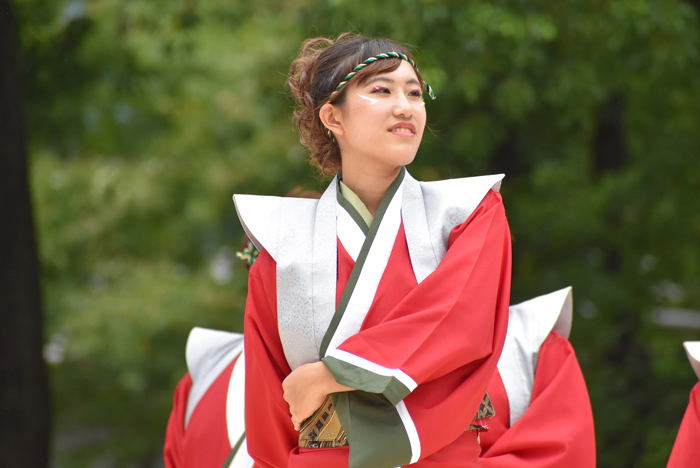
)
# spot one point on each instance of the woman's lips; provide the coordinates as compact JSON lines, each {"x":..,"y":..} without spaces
{"x":403,"y":129}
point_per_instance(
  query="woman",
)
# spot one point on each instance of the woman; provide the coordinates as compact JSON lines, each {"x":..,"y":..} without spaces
{"x":387,"y":294}
{"x":544,"y":417}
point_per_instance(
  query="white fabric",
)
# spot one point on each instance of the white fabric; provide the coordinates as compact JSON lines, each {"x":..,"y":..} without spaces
{"x":324,"y":270}
{"x":235,"y":401}
{"x":692,"y":349}
{"x":300,"y":235}
{"x":242,"y":459}
{"x":411,"y":431}
{"x":449,"y":203}
{"x":424,"y":258}
{"x":208,"y":353}
{"x":297,"y":315}
{"x":235,"y":414}
{"x":529,"y":324}
{"x":260,"y":218}
{"x":566,"y":315}
{"x":349,"y":233}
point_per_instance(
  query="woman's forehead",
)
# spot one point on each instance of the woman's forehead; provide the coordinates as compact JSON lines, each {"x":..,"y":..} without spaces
{"x":404,"y":74}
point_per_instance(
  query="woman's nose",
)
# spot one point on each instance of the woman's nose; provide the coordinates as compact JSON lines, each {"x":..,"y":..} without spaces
{"x":402,"y":106}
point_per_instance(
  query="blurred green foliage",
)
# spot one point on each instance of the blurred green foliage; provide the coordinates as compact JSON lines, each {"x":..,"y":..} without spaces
{"x":145,"y":116}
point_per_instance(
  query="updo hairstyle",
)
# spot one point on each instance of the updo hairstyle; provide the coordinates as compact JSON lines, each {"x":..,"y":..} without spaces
{"x":321,"y":65}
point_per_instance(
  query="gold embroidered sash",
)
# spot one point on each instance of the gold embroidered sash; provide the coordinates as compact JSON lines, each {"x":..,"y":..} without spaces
{"x":323,"y":429}
{"x":486,"y":410}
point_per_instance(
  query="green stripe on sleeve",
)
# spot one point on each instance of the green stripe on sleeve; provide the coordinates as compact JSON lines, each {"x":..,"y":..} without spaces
{"x":361,"y":379}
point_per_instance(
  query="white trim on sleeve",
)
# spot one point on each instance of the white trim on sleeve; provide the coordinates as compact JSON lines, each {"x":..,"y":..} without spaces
{"x":411,"y":431}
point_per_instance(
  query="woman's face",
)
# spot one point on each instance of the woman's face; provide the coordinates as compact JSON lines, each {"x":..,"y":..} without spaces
{"x":383,"y":119}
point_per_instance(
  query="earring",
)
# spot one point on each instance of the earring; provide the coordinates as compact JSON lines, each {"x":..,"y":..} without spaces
{"x":330,"y":134}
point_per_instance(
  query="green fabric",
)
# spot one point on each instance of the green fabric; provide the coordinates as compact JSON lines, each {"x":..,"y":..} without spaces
{"x":361,"y":379}
{"x":356,"y":203}
{"x":355,"y":274}
{"x":374,"y":430}
{"x":354,"y":214}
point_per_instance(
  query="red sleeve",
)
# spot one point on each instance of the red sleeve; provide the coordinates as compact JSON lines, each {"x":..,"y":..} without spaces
{"x":175,"y":432}
{"x":445,"y":337}
{"x":686,"y":449}
{"x":557,"y":429}
{"x":270,"y":434}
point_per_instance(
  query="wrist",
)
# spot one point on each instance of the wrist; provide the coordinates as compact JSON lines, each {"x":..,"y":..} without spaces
{"x":327,"y":381}
{"x":323,"y":377}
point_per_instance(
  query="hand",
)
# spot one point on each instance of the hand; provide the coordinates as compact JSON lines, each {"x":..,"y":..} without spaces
{"x":302,"y":390}
{"x":306,"y":388}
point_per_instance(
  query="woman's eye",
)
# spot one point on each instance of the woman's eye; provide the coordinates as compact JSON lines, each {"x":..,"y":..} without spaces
{"x":415,"y":93}
{"x":380,"y":89}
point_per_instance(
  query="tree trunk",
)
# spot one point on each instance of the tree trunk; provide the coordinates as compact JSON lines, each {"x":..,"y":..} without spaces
{"x":610,"y":144}
{"x":24,"y":394}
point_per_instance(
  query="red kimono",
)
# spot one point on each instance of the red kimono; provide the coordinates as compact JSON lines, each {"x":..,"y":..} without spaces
{"x":543,"y":412}
{"x":557,"y":428}
{"x":204,"y":443}
{"x":686,"y":449}
{"x":206,"y":421}
{"x":421,"y":360}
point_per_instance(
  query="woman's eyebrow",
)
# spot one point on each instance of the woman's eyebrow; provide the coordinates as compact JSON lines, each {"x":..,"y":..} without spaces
{"x":390,"y":80}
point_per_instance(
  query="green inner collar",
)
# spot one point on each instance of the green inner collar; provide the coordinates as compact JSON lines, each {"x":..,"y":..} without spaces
{"x":356,"y":203}
{"x":357,"y":209}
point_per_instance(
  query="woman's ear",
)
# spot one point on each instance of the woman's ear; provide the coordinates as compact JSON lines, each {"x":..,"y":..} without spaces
{"x":332,"y":118}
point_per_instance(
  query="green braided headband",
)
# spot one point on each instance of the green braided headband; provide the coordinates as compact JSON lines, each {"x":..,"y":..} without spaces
{"x":374,"y":59}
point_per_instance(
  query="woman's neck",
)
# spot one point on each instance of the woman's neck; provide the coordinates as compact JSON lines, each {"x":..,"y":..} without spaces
{"x":369,"y":183}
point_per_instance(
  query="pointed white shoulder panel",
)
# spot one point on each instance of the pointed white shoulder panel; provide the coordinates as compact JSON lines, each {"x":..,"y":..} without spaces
{"x":529,"y":324}
{"x":553,"y":311}
{"x":449,"y":203}
{"x":262,"y":216}
{"x":208,"y":353}
{"x":692,"y":348}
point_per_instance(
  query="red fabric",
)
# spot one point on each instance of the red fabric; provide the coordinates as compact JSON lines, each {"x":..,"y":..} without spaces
{"x":175,"y":432}
{"x":205,"y":442}
{"x":557,"y":429}
{"x":686,"y":449}
{"x":317,"y":458}
{"x":446,"y":333}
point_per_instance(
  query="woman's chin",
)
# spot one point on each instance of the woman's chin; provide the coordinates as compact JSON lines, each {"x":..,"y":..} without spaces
{"x":403,"y":158}
{"x":396,"y":160}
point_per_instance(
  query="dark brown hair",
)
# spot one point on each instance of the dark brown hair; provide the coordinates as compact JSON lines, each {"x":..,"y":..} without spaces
{"x":321,"y":65}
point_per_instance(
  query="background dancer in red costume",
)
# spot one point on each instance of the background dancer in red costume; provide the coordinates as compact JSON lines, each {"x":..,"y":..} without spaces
{"x":543,"y":417}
